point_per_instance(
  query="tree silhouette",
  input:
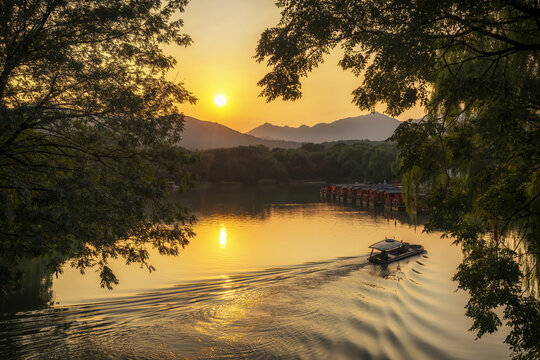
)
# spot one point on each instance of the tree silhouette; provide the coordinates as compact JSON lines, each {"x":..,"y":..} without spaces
{"x":474,"y":66}
{"x":88,"y":127}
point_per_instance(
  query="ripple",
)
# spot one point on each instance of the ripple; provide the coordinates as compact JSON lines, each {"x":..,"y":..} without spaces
{"x":342,"y":308}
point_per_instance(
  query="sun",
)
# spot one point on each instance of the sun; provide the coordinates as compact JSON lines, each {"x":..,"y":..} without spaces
{"x":220,"y":100}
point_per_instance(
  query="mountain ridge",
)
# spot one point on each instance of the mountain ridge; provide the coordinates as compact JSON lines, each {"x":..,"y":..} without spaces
{"x":202,"y":135}
{"x":374,"y":126}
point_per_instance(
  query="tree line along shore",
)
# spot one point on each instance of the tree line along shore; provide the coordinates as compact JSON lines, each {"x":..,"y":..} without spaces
{"x":341,"y":162}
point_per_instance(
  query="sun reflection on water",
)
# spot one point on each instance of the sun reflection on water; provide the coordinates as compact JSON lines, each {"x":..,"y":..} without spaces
{"x":222,"y":237}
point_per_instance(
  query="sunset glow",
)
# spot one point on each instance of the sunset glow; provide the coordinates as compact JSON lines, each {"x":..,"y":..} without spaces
{"x":220,"y":60}
{"x":220,"y":100}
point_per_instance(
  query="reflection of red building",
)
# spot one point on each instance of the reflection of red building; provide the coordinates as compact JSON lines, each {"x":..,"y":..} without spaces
{"x":342,"y":193}
{"x":376,"y":196}
{"x":335,"y":192}
{"x":358,"y":195}
{"x":365,"y":195}
{"x":326,"y":191}
{"x":352,"y":196}
{"x":394,"y":199}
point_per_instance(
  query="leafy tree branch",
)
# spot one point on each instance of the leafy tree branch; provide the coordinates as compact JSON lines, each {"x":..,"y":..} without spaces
{"x":89,"y":124}
{"x":475,"y":67}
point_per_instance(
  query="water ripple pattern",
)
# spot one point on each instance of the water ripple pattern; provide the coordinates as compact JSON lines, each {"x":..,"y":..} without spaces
{"x":236,"y":293}
{"x":341,"y":309}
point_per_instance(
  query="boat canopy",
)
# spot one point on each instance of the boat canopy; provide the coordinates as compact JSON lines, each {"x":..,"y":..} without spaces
{"x":386,"y":244}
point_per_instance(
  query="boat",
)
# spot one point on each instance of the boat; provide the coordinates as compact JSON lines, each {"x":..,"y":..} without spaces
{"x":392,"y":250}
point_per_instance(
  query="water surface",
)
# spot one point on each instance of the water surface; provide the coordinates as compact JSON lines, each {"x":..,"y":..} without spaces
{"x":272,"y":273}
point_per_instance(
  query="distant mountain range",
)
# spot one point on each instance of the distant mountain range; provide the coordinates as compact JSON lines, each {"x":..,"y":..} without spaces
{"x":374,"y":126}
{"x":201,"y":135}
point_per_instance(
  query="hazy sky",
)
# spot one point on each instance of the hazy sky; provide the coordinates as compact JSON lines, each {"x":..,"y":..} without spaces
{"x":225,"y":35}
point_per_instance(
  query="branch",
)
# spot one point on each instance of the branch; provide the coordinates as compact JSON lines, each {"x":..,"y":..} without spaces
{"x":517,"y":45}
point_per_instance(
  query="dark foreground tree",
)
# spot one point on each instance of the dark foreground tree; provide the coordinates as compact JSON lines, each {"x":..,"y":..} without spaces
{"x":475,"y":66}
{"x":88,"y":127}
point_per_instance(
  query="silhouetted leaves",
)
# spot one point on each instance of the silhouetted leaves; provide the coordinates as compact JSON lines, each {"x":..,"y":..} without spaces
{"x":474,"y":65}
{"x":88,"y":127}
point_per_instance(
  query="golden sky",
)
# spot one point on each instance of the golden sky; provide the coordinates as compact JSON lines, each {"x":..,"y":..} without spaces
{"x":225,"y":35}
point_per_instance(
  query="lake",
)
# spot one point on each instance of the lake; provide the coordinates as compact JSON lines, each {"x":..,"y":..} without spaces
{"x":272,"y":273}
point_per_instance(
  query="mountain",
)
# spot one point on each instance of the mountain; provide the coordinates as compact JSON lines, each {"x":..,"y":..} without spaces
{"x":374,"y":126}
{"x":201,"y":135}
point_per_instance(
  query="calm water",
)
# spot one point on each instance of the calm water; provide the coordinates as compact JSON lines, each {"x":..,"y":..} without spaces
{"x":272,"y":273}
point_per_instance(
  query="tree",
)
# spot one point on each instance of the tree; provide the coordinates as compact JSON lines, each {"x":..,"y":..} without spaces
{"x":474,"y":66}
{"x":250,"y":164}
{"x":88,"y":130}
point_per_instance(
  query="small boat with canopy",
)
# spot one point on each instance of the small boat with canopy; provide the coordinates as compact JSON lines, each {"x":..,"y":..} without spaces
{"x":389,"y":250}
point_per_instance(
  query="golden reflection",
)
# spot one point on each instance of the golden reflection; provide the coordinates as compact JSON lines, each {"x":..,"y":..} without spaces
{"x":222,"y":237}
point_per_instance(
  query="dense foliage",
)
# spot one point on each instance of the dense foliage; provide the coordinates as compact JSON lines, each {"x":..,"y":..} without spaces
{"x":88,"y":127}
{"x":338,"y":163}
{"x":475,"y":66}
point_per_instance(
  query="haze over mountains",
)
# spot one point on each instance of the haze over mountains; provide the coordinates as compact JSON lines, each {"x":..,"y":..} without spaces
{"x":374,"y":126}
{"x":201,"y":135}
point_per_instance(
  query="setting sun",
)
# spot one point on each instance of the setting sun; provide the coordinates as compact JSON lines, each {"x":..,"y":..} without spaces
{"x":220,"y":100}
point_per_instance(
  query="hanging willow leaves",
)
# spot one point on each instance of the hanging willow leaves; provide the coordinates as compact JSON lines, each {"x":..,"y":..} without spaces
{"x":474,"y":66}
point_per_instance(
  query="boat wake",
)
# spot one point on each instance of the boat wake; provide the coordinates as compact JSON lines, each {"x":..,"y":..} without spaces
{"x":343,"y":308}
